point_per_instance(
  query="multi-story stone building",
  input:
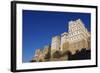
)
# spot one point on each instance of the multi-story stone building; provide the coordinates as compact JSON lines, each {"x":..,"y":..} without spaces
{"x":64,"y":41}
{"x":47,"y":52}
{"x":42,"y":54}
{"x":77,"y":37}
{"x":46,"y":49}
{"x":39,"y":56}
{"x":55,"y":44}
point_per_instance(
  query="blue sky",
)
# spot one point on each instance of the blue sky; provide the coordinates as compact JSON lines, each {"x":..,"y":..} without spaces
{"x":40,"y":26}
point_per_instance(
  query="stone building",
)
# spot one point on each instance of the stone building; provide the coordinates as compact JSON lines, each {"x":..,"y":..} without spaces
{"x":46,"y":49}
{"x":39,"y":56}
{"x":64,"y":41}
{"x":42,"y":54}
{"x":55,"y":44}
{"x":47,"y":52}
{"x":77,"y":37}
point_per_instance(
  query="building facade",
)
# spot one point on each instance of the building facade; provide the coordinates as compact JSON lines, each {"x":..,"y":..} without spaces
{"x":39,"y":56}
{"x":55,"y":44}
{"x":42,"y":54}
{"x":77,"y":37}
{"x":47,"y":52}
{"x":46,"y":49}
{"x":64,"y":41}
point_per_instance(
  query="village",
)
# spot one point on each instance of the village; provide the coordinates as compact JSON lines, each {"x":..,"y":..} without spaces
{"x":72,"y":45}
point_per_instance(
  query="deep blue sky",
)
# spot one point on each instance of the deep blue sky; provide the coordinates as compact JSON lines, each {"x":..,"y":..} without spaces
{"x":40,"y":26}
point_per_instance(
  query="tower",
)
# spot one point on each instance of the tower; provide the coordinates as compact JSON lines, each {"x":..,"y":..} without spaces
{"x":78,"y":36}
{"x":64,"y":42}
{"x":55,"y":44}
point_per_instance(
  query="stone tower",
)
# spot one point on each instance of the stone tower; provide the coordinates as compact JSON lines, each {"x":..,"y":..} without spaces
{"x":78,"y":36}
{"x":64,"y":42}
{"x":55,"y":44}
